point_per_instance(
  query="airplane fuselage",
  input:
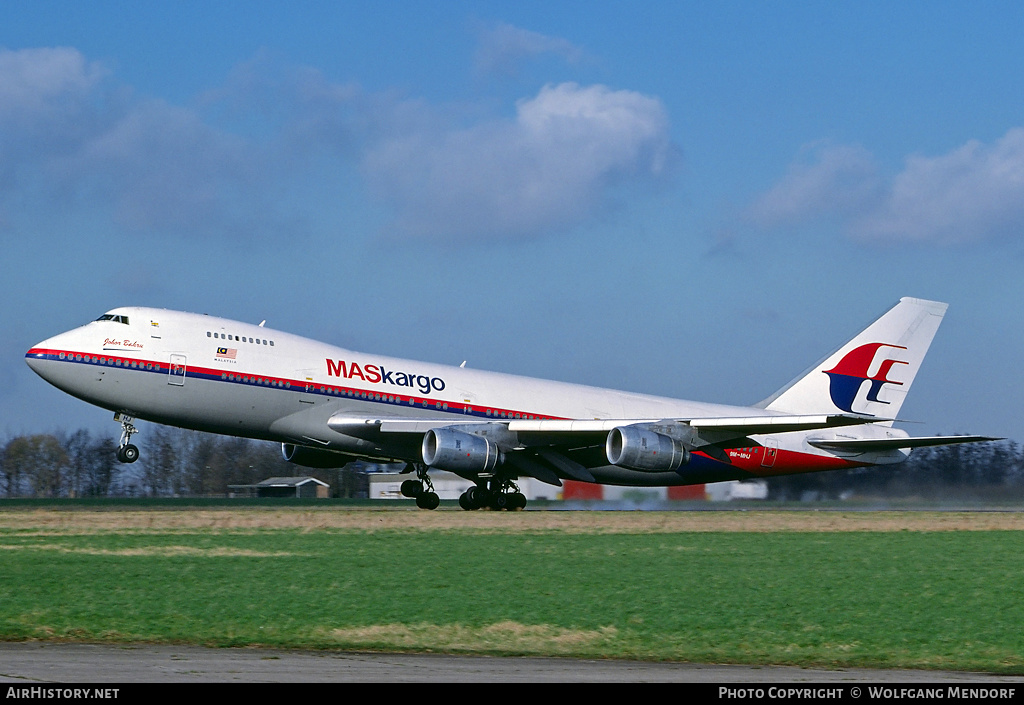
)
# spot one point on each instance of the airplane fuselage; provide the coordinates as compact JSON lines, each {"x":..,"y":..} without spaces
{"x":217,"y":375}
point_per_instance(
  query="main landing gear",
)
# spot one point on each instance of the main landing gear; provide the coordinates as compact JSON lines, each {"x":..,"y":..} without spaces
{"x":126,"y":452}
{"x":422,"y":489}
{"x":495,"y":493}
{"x":497,"y":496}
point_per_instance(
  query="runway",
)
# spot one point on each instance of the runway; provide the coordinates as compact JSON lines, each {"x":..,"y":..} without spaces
{"x":32,"y":663}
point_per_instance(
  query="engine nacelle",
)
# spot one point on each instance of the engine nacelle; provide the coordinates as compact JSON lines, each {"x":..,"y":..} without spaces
{"x":448,"y":449}
{"x":640,"y":449}
{"x":314,"y":458}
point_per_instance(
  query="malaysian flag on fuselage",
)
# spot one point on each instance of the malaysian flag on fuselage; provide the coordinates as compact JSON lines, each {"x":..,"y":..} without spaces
{"x":229,"y":353}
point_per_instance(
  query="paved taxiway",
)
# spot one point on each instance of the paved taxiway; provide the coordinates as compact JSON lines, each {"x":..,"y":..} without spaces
{"x":29,"y":663}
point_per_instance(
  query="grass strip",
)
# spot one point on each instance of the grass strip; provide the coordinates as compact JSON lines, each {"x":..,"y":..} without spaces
{"x":944,"y":600}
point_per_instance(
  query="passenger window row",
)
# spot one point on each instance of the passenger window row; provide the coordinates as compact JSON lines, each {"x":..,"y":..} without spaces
{"x":237,"y":339}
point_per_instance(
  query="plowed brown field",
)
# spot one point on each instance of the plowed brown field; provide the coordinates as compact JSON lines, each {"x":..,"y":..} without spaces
{"x":581,"y":522}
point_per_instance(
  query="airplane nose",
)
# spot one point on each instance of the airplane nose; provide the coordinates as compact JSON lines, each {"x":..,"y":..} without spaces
{"x":35,"y":354}
{"x":51,"y":359}
{"x":40,"y":354}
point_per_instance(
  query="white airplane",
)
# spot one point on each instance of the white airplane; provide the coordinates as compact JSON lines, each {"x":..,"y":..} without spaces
{"x":327,"y":406}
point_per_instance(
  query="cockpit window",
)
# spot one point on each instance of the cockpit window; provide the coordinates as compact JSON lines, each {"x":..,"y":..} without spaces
{"x":112,"y":317}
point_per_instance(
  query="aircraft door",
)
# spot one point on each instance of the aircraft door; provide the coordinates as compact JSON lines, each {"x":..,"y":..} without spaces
{"x":771,"y":452}
{"x":176,"y":371}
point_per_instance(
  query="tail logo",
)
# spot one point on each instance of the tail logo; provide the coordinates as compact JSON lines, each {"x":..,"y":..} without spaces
{"x":849,"y":375}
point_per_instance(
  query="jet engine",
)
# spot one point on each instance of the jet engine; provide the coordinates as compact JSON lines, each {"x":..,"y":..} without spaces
{"x":638,"y":448}
{"x":314,"y":458}
{"x":448,"y":449}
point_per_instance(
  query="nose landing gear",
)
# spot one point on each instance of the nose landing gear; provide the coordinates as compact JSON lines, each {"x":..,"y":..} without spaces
{"x":126,"y":452}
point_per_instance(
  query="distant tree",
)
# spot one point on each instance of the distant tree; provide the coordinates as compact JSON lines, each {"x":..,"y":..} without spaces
{"x":935,"y":471}
{"x":5,"y":479}
{"x":164,"y":464}
{"x":39,"y":461}
{"x":994,"y":464}
{"x":240,"y":461}
{"x":100,"y":468}
{"x":76,"y":446}
{"x":351,"y":481}
{"x":91,"y":463}
{"x":1013,"y":469}
{"x":198,"y":478}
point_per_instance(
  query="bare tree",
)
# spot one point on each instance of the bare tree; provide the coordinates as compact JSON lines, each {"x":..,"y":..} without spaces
{"x":40,"y":461}
{"x":5,"y":478}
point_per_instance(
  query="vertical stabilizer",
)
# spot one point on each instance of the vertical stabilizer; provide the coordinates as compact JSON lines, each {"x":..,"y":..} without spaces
{"x":872,"y":373}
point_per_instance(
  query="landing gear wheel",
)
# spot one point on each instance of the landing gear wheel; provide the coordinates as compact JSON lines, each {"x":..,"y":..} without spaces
{"x":421,"y":488}
{"x":428,"y":500}
{"x":128,"y":454}
{"x":412,"y":488}
{"x":502,"y":494}
{"x":471,"y":499}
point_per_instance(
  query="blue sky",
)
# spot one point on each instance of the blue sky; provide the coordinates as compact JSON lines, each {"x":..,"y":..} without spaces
{"x":692,"y":199}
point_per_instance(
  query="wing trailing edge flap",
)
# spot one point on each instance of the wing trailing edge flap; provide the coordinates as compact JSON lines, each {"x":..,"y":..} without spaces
{"x":726,"y":427}
{"x":866,"y":445}
{"x":570,"y":467}
{"x":527,"y":465}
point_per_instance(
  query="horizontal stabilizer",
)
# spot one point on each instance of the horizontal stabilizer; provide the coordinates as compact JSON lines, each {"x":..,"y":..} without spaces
{"x":866,"y":445}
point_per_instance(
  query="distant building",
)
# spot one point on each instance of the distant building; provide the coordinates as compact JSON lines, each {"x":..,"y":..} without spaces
{"x":303,"y":487}
{"x":735,"y":489}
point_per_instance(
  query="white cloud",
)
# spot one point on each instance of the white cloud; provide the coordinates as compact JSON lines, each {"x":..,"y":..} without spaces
{"x":220,"y":168}
{"x":38,"y":81}
{"x":69,"y":135}
{"x":46,"y":106}
{"x":504,"y":47}
{"x":549,"y":168}
{"x":973,"y":193}
{"x":162,"y":168}
{"x":829,"y":179}
{"x":970,"y":194}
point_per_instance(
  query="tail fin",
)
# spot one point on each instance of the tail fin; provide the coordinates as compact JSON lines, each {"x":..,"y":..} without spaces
{"x":872,"y":373}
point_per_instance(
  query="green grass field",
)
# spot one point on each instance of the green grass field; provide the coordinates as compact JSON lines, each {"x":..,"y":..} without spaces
{"x":944,"y":599}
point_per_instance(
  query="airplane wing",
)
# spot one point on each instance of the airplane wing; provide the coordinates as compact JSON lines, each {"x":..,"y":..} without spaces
{"x":549,"y":449}
{"x":727,"y":427}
